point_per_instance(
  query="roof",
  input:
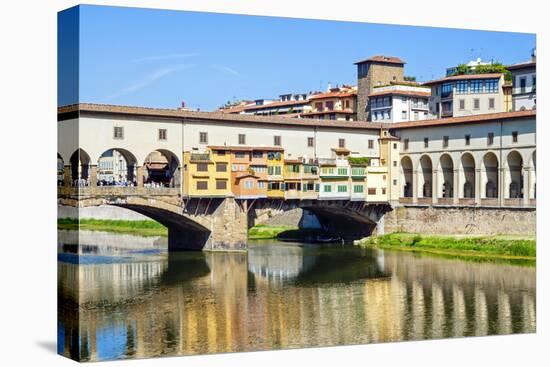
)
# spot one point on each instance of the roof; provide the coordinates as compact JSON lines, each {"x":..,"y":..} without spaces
{"x":72,"y":111}
{"x":464,"y":77}
{"x":276,"y":104}
{"x":311,"y":113}
{"x":401,"y":93}
{"x":465,"y":119}
{"x":293,"y":161}
{"x":341,"y":150}
{"x":333,"y":95}
{"x":244,"y":148}
{"x":523,"y":65}
{"x":382,"y":59}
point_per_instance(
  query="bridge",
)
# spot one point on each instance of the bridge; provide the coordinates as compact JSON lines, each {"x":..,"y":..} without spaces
{"x":221,"y":224}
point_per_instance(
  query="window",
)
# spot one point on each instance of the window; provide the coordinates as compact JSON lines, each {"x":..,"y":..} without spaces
{"x":341,"y":143}
{"x":162,"y":134}
{"x":522,"y":84}
{"x":239,"y":154}
{"x":261,"y":185}
{"x":461,"y":104}
{"x":202,"y":167}
{"x":203,"y":138}
{"x":445,"y":141}
{"x":329,"y":105}
{"x":358,"y":189}
{"x":476,"y":104}
{"x":406,"y":144}
{"x":415,"y":115}
{"x":277,"y":140}
{"x":491,"y":86}
{"x":342,"y":188}
{"x":394,"y":182}
{"x":394,"y":145}
{"x":476,"y":86}
{"x":371,"y":144}
{"x":462,"y":87}
{"x":310,"y":141}
{"x":371,"y":191}
{"x":319,"y":106}
{"x":347,"y":103}
{"x":342,"y":171}
{"x":404,"y":115}
{"x":221,"y":184}
{"x":242,"y":139}
{"x":490,"y":138}
{"x":446,"y":90}
{"x":383,"y":191}
{"x":118,"y":132}
{"x":248,"y":184}
{"x":534,"y":87}
{"x":221,"y":167}
{"x":491,"y":103}
{"x":426,"y":142}
{"x":467,"y":139}
{"x":257,"y":154}
{"x":395,"y":163}
{"x":514,"y":136}
{"x":202,"y":185}
{"x":327,"y":188}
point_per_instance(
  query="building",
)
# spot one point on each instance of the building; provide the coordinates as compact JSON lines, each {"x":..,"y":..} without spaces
{"x":524,"y":84}
{"x":206,"y":173}
{"x":338,"y":103}
{"x":112,"y":168}
{"x":372,"y":72}
{"x":465,"y":95}
{"x":471,"y":66}
{"x":396,"y":103}
{"x":290,"y":105}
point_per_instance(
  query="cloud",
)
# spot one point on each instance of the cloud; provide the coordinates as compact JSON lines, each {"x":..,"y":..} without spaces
{"x":147,"y":80}
{"x":164,"y":57}
{"x":226,"y":69}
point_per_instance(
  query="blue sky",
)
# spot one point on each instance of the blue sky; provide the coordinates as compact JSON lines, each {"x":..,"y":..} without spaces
{"x":158,"y":58}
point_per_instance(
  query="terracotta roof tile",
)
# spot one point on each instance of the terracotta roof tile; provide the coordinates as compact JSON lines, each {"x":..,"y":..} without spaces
{"x":401,"y":93}
{"x":383,"y":59}
{"x":464,"y":119}
{"x":333,"y":95}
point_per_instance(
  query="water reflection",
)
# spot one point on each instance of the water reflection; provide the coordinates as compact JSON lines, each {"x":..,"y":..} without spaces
{"x":126,"y":297}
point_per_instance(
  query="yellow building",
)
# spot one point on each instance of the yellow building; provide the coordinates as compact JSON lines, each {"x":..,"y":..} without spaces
{"x":207,"y":174}
{"x":275,"y":180}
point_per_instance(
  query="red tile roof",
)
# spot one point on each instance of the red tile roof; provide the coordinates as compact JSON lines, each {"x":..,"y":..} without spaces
{"x":276,"y":104}
{"x":383,"y":59}
{"x":333,"y":95}
{"x":314,"y":113}
{"x":464,"y":119}
{"x":464,"y":77}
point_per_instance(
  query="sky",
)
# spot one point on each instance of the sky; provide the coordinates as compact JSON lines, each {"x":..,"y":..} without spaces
{"x":159,"y":58}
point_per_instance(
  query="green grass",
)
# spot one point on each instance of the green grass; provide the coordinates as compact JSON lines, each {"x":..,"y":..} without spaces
{"x":504,"y":247}
{"x":262,"y":231}
{"x":137,"y":227}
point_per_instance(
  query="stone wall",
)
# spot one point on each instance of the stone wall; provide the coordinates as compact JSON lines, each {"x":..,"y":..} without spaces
{"x":279,"y":217}
{"x":460,"y":220}
{"x":107,"y":212}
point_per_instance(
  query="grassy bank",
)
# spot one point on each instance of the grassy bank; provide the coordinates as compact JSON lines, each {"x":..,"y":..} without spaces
{"x":137,"y":227}
{"x":261,"y":231}
{"x":503,"y":247}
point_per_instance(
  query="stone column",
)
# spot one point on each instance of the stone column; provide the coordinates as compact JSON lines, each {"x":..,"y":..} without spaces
{"x":435,"y":186}
{"x":92,"y":175}
{"x":67,"y":176}
{"x":502,"y":191}
{"x":477,"y":187}
{"x":139,"y":178}
{"x":455,"y":186}
{"x":415,"y":186}
{"x":526,"y":185}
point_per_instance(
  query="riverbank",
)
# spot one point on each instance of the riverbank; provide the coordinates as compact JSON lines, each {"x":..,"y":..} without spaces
{"x":500,"y":247}
{"x":152,"y":228}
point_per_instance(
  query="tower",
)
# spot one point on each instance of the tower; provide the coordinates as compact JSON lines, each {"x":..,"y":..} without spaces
{"x":372,"y":72}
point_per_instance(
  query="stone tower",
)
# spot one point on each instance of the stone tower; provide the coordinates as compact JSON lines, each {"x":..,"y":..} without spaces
{"x":372,"y":72}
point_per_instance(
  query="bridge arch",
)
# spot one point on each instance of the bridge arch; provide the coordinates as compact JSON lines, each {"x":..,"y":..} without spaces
{"x":467,"y":176}
{"x":117,"y":166}
{"x":80,"y":168}
{"x":162,"y":167}
{"x":445,"y":176}
{"x":60,"y":170}
{"x":425,"y":169}
{"x":406,"y":177}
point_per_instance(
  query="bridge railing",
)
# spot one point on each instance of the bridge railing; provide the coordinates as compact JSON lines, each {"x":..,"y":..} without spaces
{"x":118,"y":191}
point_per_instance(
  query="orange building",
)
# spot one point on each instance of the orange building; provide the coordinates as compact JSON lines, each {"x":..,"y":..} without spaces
{"x":338,"y":103}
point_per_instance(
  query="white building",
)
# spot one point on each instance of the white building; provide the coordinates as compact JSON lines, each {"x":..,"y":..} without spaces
{"x":524,"y":82}
{"x":396,"y":103}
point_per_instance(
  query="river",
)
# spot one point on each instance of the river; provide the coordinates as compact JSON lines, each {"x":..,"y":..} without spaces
{"x":123,"y":296}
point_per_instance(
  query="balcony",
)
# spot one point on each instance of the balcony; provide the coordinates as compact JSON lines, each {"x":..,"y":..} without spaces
{"x":200,"y":157}
{"x":327,"y":161}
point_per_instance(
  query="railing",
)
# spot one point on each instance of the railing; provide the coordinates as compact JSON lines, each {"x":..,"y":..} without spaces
{"x":118,"y":191}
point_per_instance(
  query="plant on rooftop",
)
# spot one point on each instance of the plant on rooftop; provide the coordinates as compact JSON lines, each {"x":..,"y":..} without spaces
{"x":359,"y":161}
{"x":495,"y":67}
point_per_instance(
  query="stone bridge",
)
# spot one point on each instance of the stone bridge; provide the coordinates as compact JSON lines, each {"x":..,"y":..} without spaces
{"x":221,"y":224}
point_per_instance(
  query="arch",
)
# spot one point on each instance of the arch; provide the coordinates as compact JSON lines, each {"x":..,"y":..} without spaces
{"x":467,"y":176}
{"x":162,"y":168}
{"x":425,"y":170}
{"x":60,"y":170}
{"x":514,"y":175}
{"x":445,"y":177}
{"x":533,"y":176}
{"x":406,"y":177}
{"x":80,"y":167}
{"x":489,"y":176}
{"x":117,"y":166}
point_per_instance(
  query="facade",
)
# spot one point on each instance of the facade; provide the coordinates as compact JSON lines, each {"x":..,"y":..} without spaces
{"x":373,"y":72}
{"x":466,"y":95}
{"x":397,"y":103}
{"x":206,"y":174}
{"x":338,"y":103}
{"x":524,"y":85}
{"x":291,"y":105}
